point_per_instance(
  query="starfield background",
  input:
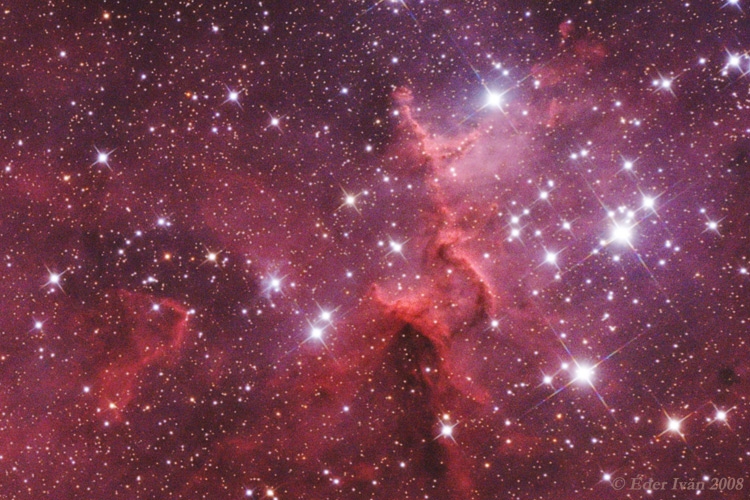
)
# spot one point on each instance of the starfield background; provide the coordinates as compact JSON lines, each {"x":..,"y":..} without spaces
{"x":357,"y":249}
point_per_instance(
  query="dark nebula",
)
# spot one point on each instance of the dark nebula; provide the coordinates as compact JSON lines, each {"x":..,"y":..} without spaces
{"x":397,"y":249}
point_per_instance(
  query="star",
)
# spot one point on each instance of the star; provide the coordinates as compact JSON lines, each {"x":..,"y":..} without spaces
{"x":350,"y":200}
{"x":732,"y":3}
{"x":446,"y":429}
{"x":584,"y":374}
{"x":397,"y":248}
{"x":38,"y":325}
{"x":674,"y":425}
{"x":326,"y":315}
{"x":550,"y":258}
{"x":274,"y":122}
{"x":102,"y":158}
{"x":734,"y":60}
{"x":212,"y":257}
{"x":621,"y":233}
{"x":55,"y":279}
{"x":316,"y":333}
{"x":712,"y":226}
{"x":233,"y":97}
{"x":494,"y":99}
{"x":720,"y":416}
{"x":273,"y":284}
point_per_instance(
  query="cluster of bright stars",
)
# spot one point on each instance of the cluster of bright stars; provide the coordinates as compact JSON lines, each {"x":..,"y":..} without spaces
{"x":319,"y":325}
{"x":584,"y":374}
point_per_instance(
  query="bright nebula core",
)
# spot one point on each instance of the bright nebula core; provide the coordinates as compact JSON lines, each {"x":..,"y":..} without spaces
{"x":395,"y":249}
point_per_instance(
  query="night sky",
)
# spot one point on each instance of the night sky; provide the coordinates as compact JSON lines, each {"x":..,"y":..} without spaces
{"x":406,"y":249}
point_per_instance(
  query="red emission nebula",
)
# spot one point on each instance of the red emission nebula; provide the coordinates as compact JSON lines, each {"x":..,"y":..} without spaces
{"x":398,"y":249}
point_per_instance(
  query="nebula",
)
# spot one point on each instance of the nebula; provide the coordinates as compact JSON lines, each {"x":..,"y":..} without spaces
{"x":374,"y":250}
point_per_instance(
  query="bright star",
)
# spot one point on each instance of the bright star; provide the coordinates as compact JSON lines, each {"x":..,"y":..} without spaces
{"x":350,"y":200}
{"x":326,"y":315}
{"x":397,"y":247}
{"x":621,"y":234}
{"x":38,"y":325}
{"x":664,"y":84}
{"x":233,"y":96}
{"x":446,"y":429}
{"x":712,"y":225}
{"x":721,"y":416}
{"x":584,"y":374}
{"x":102,"y":158}
{"x":274,"y":121}
{"x":211,"y":257}
{"x":55,"y":278}
{"x":273,"y":284}
{"x":733,"y":3}
{"x":674,"y":425}
{"x":316,"y":333}
{"x":494,"y":99}
{"x":551,"y":258}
